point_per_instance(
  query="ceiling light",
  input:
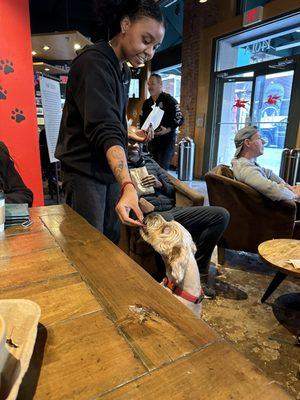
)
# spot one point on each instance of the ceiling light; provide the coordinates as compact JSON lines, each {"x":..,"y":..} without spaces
{"x":129,"y":64}
{"x":34,"y":53}
{"x":47,"y":69}
{"x":46,"y":47}
{"x":202,"y":1}
{"x":77,"y":46}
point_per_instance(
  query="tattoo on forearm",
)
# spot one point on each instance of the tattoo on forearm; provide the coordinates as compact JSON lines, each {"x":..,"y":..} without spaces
{"x":117,"y":161}
{"x":119,"y":169}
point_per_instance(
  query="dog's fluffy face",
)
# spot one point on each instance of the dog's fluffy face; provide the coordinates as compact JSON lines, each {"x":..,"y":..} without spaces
{"x":172,"y":241}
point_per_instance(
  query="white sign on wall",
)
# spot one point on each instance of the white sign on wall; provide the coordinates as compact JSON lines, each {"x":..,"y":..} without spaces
{"x":50,"y":94}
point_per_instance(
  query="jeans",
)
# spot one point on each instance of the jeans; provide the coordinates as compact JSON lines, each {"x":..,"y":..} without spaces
{"x":94,"y":201}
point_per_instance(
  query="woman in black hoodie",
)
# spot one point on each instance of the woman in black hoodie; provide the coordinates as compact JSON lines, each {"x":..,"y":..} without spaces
{"x":93,"y":137}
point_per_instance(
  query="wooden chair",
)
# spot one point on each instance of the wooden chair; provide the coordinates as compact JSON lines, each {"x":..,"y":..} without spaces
{"x":140,"y":251}
{"x":254,"y":218}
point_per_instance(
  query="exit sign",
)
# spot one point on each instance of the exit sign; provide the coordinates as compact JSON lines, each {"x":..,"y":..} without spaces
{"x":253,"y":16}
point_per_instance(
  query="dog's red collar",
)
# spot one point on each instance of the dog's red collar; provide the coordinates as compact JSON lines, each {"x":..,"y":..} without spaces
{"x":182,"y":293}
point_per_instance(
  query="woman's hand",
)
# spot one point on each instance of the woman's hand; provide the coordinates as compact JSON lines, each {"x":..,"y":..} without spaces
{"x":129,"y":201}
{"x":151,"y":180}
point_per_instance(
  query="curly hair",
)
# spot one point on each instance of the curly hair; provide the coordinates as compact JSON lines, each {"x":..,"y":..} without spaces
{"x":110,"y":13}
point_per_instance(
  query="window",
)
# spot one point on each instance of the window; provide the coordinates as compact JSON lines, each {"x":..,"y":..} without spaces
{"x":274,"y":40}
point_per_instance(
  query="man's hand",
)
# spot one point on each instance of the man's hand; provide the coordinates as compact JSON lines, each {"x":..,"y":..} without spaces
{"x":296,"y":190}
{"x":151,"y":181}
{"x":162,"y":131}
{"x":129,"y":201}
{"x":139,"y":135}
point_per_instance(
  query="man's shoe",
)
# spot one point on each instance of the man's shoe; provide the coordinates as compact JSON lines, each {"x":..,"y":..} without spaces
{"x":209,"y":293}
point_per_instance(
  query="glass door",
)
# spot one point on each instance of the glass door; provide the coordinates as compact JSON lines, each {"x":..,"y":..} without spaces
{"x":270,"y":112}
{"x":233,"y":114}
{"x":261,"y":97}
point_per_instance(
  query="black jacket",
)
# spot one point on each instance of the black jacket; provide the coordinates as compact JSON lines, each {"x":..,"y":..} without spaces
{"x":10,"y":180}
{"x":163,"y":199}
{"x":94,"y":116}
{"x":172,"y":117}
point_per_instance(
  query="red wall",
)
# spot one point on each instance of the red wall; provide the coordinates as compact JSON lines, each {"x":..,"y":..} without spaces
{"x":18,"y":122}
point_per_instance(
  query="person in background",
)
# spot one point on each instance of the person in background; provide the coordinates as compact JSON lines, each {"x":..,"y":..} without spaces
{"x":10,"y":180}
{"x":163,"y":145}
{"x":206,"y":224}
{"x":250,"y":145}
{"x":93,"y":138}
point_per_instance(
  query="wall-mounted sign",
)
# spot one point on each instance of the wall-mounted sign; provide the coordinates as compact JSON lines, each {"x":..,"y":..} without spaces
{"x":258,"y":47}
{"x":253,"y":16}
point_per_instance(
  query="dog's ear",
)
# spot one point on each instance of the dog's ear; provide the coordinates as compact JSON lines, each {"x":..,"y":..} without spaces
{"x":178,"y":263}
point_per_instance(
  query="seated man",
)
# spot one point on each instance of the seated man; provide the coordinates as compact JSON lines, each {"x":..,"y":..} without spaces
{"x":10,"y":180}
{"x":206,"y":224}
{"x":250,"y":145}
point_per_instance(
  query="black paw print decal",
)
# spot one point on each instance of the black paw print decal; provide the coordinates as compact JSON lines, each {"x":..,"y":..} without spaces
{"x":3,"y":93}
{"x":17,"y":115}
{"x":7,"y":66}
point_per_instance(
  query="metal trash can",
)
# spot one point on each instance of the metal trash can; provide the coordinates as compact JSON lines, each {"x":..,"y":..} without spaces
{"x":186,"y":156}
{"x":289,"y":167}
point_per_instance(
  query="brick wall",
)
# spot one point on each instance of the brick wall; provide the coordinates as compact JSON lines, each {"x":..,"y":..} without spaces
{"x":197,"y":16}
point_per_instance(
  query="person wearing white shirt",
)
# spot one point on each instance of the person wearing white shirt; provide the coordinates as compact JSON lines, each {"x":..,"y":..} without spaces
{"x":250,"y":145}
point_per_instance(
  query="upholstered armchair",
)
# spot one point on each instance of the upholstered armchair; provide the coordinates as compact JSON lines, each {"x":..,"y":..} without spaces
{"x":140,"y":251}
{"x":254,"y":218}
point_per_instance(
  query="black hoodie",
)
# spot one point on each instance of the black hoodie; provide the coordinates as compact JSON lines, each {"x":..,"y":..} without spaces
{"x":94,"y":116}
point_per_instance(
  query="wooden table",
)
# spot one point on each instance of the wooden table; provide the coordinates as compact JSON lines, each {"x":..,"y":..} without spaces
{"x":107,"y":329}
{"x":276,"y":253}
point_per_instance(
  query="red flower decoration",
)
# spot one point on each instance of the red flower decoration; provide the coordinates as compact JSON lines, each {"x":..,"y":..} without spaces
{"x":240,"y":103}
{"x":272,"y":99}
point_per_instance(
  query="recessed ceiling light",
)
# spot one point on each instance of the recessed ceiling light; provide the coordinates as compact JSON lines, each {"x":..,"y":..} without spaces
{"x":47,"y":69}
{"x":34,"y":53}
{"x":77,"y":46}
{"x":202,"y":1}
{"x":46,"y":47}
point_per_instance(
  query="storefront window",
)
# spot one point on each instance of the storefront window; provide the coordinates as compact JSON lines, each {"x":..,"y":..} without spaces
{"x":271,"y":105}
{"x":234,"y":115}
{"x":171,"y":80}
{"x":274,"y":40}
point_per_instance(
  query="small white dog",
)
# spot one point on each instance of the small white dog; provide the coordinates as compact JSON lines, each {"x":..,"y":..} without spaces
{"x":175,"y":244}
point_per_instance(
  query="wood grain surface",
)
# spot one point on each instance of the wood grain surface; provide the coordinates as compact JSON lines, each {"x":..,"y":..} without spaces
{"x":277,"y":252}
{"x":107,"y":329}
{"x":215,"y":372}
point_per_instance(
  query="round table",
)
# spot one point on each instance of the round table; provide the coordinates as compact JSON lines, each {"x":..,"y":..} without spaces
{"x":276,"y":253}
